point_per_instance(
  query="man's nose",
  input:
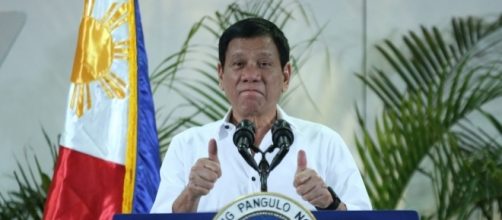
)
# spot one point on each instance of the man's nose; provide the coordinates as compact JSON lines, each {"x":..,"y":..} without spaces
{"x":251,"y":73}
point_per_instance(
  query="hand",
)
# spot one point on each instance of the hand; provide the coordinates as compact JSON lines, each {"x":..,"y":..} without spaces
{"x":309,"y":185}
{"x":204,"y":173}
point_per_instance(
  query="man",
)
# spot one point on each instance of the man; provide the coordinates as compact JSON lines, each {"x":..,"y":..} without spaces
{"x":203,"y":171}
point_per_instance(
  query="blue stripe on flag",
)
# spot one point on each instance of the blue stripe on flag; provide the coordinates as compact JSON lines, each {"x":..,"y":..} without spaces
{"x":148,"y":157}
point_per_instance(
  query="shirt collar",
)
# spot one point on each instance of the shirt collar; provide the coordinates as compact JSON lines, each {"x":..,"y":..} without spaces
{"x":281,"y":114}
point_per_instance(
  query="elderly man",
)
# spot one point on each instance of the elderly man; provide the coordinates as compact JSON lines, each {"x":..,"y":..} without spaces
{"x":203,"y":170}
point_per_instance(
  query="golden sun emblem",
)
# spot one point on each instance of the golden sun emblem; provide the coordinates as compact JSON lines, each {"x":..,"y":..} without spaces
{"x":95,"y":53}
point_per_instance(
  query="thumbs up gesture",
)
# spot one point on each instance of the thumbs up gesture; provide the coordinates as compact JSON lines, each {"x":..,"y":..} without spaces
{"x":309,"y":185}
{"x":205,"y":172}
{"x":213,"y":151}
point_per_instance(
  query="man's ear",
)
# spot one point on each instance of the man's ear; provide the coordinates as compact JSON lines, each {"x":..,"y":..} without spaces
{"x":286,"y":72}
{"x":219,"y":67}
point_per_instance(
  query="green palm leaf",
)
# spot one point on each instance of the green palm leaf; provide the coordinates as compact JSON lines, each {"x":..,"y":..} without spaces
{"x":28,"y":201}
{"x":430,"y":106}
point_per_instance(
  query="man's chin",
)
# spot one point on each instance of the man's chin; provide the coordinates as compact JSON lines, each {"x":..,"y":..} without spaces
{"x":250,"y":109}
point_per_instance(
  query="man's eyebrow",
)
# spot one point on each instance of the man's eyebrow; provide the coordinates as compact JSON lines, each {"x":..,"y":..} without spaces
{"x":265,"y":54}
{"x":237,"y":54}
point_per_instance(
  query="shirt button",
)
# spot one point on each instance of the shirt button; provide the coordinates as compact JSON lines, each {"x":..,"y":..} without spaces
{"x":227,"y":127}
{"x":253,"y":178}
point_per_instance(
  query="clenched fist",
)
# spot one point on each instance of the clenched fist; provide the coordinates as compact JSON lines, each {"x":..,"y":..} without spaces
{"x":205,"y":172}
{"x":309,"y":185}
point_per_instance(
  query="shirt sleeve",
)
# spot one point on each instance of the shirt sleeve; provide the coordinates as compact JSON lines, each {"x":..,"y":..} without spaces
{"x":172,"y":178}
{"x":346,"y":179}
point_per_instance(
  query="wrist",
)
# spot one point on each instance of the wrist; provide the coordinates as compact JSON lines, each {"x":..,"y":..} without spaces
{"x":187,"y":201}
{"x":335,"y":201}
{"x":191,"y":195}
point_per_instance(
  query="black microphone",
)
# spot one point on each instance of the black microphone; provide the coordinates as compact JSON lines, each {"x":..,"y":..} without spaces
{"x":244,"y":140}
{"x":282,"y":137}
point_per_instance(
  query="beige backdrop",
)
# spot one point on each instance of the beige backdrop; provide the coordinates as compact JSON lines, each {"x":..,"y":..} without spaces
{"x":34,"y":74}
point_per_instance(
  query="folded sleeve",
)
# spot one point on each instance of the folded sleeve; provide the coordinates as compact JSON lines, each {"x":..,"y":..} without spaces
{"x":345,"y":178}
{"x":173,"y":176}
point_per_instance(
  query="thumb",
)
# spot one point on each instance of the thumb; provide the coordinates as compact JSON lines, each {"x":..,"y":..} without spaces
{"x":213,"y":150}
{"x":302,"y":161}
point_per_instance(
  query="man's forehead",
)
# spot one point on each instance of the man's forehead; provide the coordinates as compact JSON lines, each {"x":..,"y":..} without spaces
{"x":263,"y":46}
{"x":257,"y":39}
{"x":241,"y":53}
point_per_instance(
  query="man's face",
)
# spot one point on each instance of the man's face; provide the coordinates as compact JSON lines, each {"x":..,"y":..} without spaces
{"x":252,"y":76}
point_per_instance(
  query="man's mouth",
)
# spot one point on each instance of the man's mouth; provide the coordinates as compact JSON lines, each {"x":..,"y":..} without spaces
{"x":250,"y":91}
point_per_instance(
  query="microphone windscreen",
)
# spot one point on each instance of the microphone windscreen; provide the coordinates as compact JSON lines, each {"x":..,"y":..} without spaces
{"x":245,"y":130}
{"x":281,"y":128}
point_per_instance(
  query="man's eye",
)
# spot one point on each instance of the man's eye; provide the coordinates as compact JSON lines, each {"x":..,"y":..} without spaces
{"x":265,"y":64}
{"x":238,"y":64}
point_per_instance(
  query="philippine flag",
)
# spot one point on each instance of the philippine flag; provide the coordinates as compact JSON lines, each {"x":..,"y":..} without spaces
{"x":109,"y":159}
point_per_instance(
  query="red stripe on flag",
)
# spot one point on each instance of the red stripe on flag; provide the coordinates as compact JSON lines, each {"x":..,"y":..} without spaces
{"x":84,"y":187}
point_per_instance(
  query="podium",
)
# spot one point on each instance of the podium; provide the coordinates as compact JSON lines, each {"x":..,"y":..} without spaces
{"x":269,"y":205}
{"x":320,"y":215}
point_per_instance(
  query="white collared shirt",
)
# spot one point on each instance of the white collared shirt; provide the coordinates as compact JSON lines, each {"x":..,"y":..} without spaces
{"x":326,"y":153}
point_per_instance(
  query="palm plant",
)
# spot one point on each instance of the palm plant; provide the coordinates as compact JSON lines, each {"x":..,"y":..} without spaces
{"x":33,"y":183}
{"x":191,"y":72}
{"x":436,"y":120}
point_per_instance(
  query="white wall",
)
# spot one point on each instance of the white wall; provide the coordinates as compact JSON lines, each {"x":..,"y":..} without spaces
{"x":34,"y":76}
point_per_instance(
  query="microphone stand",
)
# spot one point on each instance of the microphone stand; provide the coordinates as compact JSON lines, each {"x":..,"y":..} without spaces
{"x":263,"y":171}
{"x":244,"y":139}
{"x":264,"y":168}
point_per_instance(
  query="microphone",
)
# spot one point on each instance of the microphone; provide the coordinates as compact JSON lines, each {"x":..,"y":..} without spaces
{"x":244,"y":140}
{"x":282,"y":137}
